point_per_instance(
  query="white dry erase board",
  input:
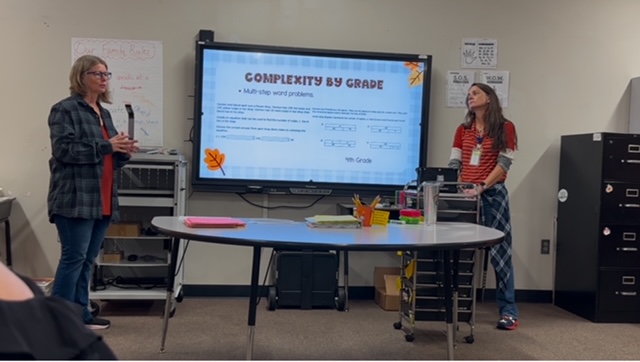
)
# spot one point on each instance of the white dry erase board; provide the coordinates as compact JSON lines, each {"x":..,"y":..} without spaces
{"x":137,"y":80}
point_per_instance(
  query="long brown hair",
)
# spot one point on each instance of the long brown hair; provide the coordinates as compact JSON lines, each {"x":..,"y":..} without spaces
{"x":494,"y":120}
{"x":80,"y":66}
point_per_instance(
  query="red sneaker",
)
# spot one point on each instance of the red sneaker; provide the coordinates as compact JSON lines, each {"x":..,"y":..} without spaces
{"x":507,"y":323}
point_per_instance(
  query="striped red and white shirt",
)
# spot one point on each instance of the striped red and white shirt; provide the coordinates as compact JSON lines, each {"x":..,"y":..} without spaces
{"x":465,"y":142}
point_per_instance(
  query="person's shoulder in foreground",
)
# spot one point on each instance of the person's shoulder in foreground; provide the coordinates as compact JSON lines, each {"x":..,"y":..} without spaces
{"x":38,"y":327}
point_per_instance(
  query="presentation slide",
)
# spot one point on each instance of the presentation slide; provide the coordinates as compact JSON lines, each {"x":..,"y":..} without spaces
{"x":309,"y":118}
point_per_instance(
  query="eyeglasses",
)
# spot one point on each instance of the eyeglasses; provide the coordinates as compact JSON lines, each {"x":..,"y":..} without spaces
{"x":100,"y":74}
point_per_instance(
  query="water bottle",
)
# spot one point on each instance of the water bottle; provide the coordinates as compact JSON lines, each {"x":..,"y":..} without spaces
{"x":430,"y":194}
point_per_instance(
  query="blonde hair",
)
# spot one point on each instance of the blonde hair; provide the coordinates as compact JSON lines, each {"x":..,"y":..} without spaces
{"x":80,"y":66}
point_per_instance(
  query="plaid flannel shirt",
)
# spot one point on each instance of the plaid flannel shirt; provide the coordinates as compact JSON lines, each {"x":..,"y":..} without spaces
{"x":78,"y":148}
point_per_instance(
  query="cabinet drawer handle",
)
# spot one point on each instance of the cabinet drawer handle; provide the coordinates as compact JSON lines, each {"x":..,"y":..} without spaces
{"x":629,"y":236}
{"x":633,"y":161}
{"x":633,"y":148}
{"x":632,"y":193}
{"x":628,"y":280}
{"x":628,"y":294}
{"x":630,"y":205}
{"x":627,"y":249}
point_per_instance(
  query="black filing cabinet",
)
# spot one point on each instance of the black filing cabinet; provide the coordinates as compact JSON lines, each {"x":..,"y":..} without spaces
{"x":598,"y":229}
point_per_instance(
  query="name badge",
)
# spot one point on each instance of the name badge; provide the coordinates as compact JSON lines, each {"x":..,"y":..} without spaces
{"x":477,"y":152}
{"x":475,"y":156}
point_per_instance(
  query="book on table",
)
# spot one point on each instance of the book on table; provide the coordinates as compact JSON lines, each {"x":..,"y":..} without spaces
{"x":333,"y":221}
{"x":212,"y":222}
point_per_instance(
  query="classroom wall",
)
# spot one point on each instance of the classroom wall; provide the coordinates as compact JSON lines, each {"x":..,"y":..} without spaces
{"x":570,"y":63}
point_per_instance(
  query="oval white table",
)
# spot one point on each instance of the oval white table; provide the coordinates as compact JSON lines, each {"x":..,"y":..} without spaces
{"x":284,"y":234}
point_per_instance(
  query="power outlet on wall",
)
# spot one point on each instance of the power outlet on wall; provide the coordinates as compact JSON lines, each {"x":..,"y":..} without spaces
{"x":545,"y":245}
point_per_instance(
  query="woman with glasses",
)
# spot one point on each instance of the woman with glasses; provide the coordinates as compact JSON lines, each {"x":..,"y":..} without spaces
{"x":86,"y":151}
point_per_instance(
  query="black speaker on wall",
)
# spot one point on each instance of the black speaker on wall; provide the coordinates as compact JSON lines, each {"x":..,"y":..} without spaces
{"x":205,"y":36}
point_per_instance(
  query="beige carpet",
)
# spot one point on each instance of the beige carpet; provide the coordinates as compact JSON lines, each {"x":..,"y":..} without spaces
{"x":216,"y":329}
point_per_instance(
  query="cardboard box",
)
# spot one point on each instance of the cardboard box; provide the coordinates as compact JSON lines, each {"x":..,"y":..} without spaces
{"x":387,"y":295}
{"x":112,"y":256}
{"x":124,"y":229}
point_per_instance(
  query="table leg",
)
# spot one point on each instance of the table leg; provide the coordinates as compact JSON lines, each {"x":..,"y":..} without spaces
{"x":253,"y":299}
{"x":448,"y":299}
{"x":171,"y":278}
{"x":7,"y":234}
{"x":455,"y":282}
{"x":346,"y":281}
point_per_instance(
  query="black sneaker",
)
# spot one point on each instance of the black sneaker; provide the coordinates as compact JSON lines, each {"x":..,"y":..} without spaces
{"x":98,"y":323}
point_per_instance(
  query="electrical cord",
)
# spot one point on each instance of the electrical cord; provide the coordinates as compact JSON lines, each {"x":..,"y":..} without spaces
{"x":190,"y":139}
{"x":186,"y":246}
{"x":115,"y":282}
{"x":279,"y":206}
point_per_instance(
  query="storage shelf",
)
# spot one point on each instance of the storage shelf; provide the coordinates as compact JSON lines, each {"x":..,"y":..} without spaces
{"x":145,"y":192}
{"x":158,"y":260}
{"x":146,"y":201}
{"x":112,"y":292}
{"x":457,"y":212}
{"x":134,"y":264}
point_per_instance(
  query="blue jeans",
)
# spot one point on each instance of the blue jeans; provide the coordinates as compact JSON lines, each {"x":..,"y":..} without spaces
{"x":80,"y":242}
{"x":507,"y":299}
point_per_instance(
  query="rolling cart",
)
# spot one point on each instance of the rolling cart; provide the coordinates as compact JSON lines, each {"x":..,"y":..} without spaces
{"x":422,"y":273}
{"x":134,"y":261}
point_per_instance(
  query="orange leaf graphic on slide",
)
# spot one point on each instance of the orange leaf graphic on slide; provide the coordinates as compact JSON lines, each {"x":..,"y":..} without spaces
{"x":415,"y":78}
{"x":417,"y":75}
{"x":214,"y":159}
{"x":412,"y":65}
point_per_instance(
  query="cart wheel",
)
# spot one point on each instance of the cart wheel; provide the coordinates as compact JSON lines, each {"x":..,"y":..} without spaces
{"x":469,"y":339}
{"x":397,"y":325}
{"x":341,"y":300}
{"x":172,"y":309}
{"x":272,"y":298}
{"x":94,"y":308}
{"x":180,"y":296}
{"x":409,"y":337}
{"x":172,"y":312}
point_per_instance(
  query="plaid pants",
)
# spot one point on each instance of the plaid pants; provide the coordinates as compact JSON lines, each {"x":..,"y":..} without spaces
{"x":496,"y":215}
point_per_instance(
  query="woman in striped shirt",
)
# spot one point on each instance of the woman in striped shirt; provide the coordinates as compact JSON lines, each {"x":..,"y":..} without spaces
{"x":482,"y":151}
